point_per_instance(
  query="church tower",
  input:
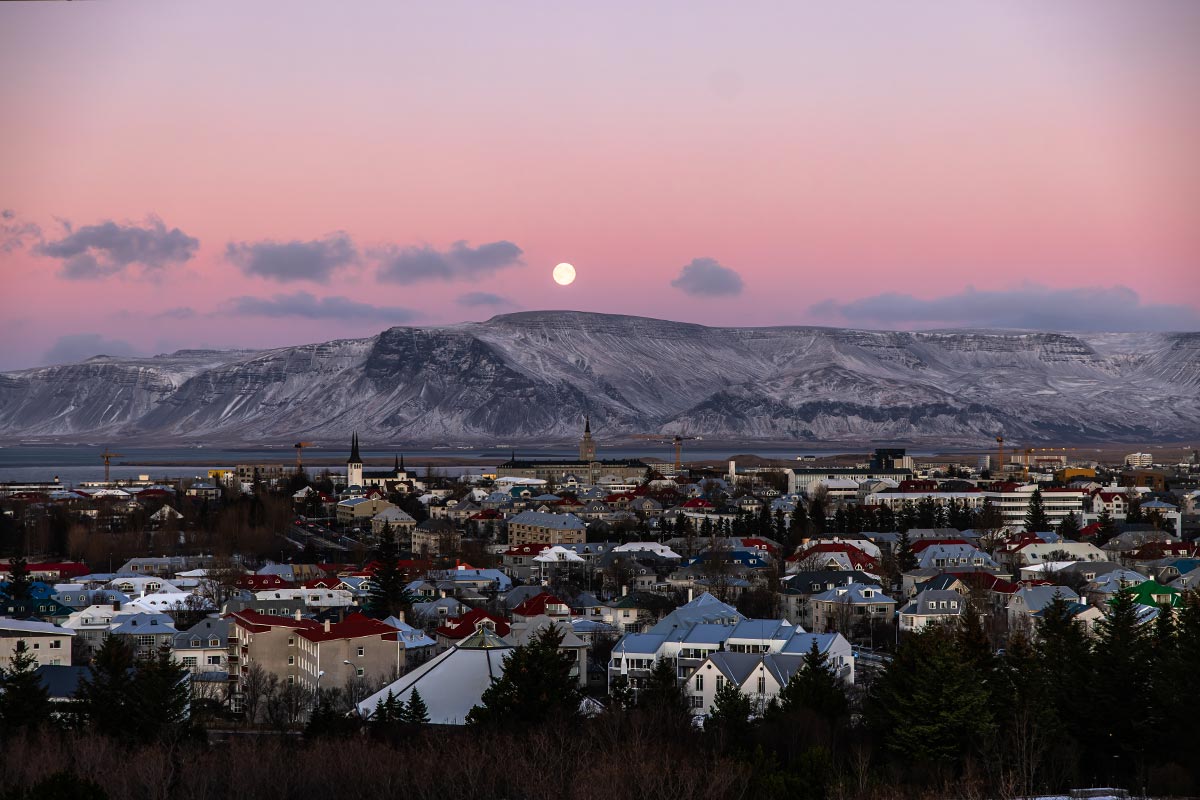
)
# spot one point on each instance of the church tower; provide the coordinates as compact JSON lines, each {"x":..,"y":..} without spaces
{"x":354,"y":464}
{"x":587,"y":448}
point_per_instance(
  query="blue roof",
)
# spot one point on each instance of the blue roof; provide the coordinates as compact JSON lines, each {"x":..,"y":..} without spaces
{"x":801,"y":643}
{"x":707,"y":633}
{"x":760,"y":629}
{"x":639,"y":644}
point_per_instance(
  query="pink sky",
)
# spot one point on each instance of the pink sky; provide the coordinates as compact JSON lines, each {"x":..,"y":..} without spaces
{"x":829,"y":154}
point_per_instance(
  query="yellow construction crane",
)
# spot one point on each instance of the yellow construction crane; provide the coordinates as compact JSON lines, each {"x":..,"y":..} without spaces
{"x":300,"y":449}
{"x":107,"y":456}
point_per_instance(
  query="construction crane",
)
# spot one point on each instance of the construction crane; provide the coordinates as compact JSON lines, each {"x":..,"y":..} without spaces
{"x":677,"y":441}
{"x":1000,"y":453}
{"x":108,"y":457}
{"x":300,"y":449}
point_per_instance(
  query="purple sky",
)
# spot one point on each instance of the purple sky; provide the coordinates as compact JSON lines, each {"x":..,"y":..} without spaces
{"x":256,"y":174}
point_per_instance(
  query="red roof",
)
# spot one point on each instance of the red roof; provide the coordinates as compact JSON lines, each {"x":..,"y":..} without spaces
{"x":1089,"y":530}
{"x":259,"y":583}
{"x":487,"y":513}
{"x":987,"y":581}
{"x":354,"y":626}
{"x":464,"y":626}
{"x":533,"y":606}
{"x":697,"y":502}
{"x":759,"y":544}
{"x":857,"y":557}
{"x":65,"y":569}
{"x":257,"y":623}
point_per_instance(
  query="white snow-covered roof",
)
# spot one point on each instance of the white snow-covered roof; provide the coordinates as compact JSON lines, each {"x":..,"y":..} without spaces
{"x":555,"y":554}
{"x":452,"y":683}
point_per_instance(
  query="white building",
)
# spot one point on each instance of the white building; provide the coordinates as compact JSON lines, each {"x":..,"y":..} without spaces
{"x":1139,"y":460}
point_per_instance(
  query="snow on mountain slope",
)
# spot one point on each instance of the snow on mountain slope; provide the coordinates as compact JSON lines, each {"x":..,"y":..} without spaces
{"x":531,"y":376}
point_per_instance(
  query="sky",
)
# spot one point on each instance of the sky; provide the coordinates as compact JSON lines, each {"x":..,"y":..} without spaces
{"x":229,"y":174}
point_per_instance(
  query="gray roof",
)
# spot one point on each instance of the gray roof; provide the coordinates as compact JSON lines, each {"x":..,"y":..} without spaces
{"x":62,"y":682}
{"x":205,"y":629}
{"x":562,"y":522}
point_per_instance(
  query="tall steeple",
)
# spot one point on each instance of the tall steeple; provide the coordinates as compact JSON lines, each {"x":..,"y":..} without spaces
{"x":587,"y":447}
{"x":354,"y":467}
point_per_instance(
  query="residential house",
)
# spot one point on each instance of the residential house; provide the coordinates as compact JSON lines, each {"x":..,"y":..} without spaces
{"x":48,"y":644}
{"x":204,"y":647}
{"x":931,"y":606}
{"x":332,"y":654}
{"x":849,"y":607}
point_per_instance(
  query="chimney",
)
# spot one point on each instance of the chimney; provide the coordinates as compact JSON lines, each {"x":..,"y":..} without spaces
{"x":298,"y":617}
{"x":400,"y":616}
{"x":624,"y":589}
{"x":327,"y":626}
{"x":116,"y":605}
{"x":691,"y":592}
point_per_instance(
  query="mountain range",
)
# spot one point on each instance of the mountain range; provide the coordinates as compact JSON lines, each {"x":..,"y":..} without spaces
{"x":532,"y":376}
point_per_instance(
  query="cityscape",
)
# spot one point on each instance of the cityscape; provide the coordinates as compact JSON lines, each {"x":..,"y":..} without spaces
{"x":562,"y":402}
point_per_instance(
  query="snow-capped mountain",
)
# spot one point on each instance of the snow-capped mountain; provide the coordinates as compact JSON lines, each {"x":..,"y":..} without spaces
{"x":532,"y":376}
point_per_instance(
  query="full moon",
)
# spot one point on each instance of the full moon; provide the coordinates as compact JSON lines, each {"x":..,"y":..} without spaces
{"x":564,"y":274}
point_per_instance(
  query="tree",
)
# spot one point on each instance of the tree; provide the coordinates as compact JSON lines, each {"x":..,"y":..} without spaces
{"x":1107,"y":528}
{"x":388,"y":593}
{"x":1120,"y":732}
{"x":24,"y":699}
{"x":662,"y":693}
{"x":1035,"y":513}
{"x":928,"y":705}
{"x":1069,"y":527}
{"x":18,"y":578}
{"x":729,"y":719}
{"x":329,"y":718}
{"x":815,"y":687}
{"x":416,"y":712}
{"x":160,"y":697}
{"x":106,"y":693}
{"x":536,"y":688}
{"x":906,"y":560}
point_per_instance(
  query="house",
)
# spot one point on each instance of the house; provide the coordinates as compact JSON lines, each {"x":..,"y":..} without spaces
{"x":543,"y":604}
{"x":91,"y":625}
{"x":931,"y":606}
{"x":145,"y":632}
{"x":48,"y":644}
{"x":360,"y":510}
{"x":848,"y":606}
{"x":525,"y":631}
{"x":204,"y":647}
{"x":953,"y":556}
{"x":1105,"y":587}
{"x":796,"y":589}
{"x":453,"y":631}
{"x":762,"y":676}
{"x":1028,"y":600}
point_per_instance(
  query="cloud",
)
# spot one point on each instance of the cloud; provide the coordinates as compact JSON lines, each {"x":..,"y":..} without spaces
{"x":413,"y":264}
{"x":705,"y":277}
{"x":76,"y":347}
{"x":1085,"y":308}
{"x":295,"y":260}
{"x":180,"y":312}
{"x":483,"y":299}
{"x":303,"y":304}
{"x":14,"y":233}
{"x":97,"y":251}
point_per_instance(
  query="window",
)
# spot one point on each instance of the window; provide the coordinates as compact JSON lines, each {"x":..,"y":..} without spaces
{"x":699,"y":683}
{"x":214,"y":642}
{"x":360,"y":672}
{"x":56,"y":644}
{"x":720,"y":682}
{"x":214,"y":661}
{"x":762,"y":684}
{"x":189,"y":661}
{"x":291,"y":679}
{"x":291,"y":641}
{"x":362,"y":651}
{"x":291,"y":660}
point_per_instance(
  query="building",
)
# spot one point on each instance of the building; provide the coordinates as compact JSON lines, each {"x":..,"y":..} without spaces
{"x":761,"y":676}
{"x":1139,"y":460}
{"x":361,"y":510}
{"x":800,"y":478}
{"x":586,"y":470}
{"x":538,"y":527}
{"x":48,"y":644}
{"x":358,"y":648}
{"x":267,"y":473}
{"x":269,"y":641}
{"x":931,"y":605}
{"x":354,"y":467}
{"x":204,"y":647}
{"x":848,"y":606}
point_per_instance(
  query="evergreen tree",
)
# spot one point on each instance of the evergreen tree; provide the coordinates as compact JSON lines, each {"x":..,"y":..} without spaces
{"x":906,"y":559}
{"x":662,"y":693}
{"x":1036,"y":519}
{"x":1107,"y":529}
{"x":536,"y":688}
{"x":817,"y":515}
{"x":24,"y":699}
{"x":1119,"y":733}
{"x":1133,"y":507}
{"x":906,"y":520}
{"x":1064,"y":652}
{"x":1068,"y":529}
{"x":327,"y":720}
{"x":388,"y":596}
{"x":797,"y":526}
{"x":814,"y":687}
{"x":416,"y":712}
{"x":161,"y":696}
{"x":927,"y":703}
{"x":729,"y":718}
{"x":106,"y":693}
{"x":885,"y":519}
{"x":18,"y":578}
{"x":385,"y":721}
{"x":927,"y":513}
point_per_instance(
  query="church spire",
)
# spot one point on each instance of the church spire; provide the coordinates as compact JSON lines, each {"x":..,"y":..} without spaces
{"x":396,"y":464}
{"x":587,"y":423}
{"x":355,"y":458}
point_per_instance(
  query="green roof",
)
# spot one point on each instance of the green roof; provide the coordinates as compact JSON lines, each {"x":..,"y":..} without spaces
{"x":1153,"y":593}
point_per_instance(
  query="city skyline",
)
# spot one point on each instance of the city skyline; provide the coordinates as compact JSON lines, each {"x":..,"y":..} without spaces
{"x":226,"y":176}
